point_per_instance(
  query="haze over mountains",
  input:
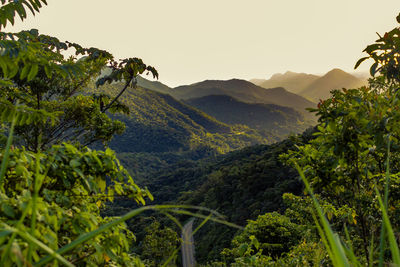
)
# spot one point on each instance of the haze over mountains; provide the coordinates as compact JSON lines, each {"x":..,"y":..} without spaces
{"x":312,"y":87}
{"x":211,"y":109}
{"x":243,"y":91}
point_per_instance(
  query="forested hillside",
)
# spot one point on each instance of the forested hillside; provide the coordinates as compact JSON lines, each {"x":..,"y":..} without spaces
{"x":153,"y":85}
{"x":279,"y":120}
{"x":240,"y":185}
{"x":243,"y":91}
{"x":159,"y":123}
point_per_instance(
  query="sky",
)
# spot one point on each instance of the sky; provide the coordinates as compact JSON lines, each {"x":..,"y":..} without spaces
{"x":188,"y":41}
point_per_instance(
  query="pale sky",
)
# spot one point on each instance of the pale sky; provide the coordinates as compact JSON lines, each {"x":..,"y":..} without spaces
{"x":190,"y":41}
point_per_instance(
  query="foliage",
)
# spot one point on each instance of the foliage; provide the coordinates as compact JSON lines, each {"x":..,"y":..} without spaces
{"x":159,"y":244}
{"x":36,"y":73}
{"x":51,"y":198}
{"x":275,"y":234}
{"x":242,"y":185}
{"x":157,"y":123}
{"x":349,"y":158}
{"x":270,"y":119}
{"x":10,"y":8}
{"x":60,"y":191}
{"x":348,"y":155}
{"x":385,"y":52}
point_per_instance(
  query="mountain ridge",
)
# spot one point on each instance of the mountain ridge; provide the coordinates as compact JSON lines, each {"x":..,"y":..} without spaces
{"x":268,"y":117}
{"x":310,"y":86}
{"x":243,"y":91}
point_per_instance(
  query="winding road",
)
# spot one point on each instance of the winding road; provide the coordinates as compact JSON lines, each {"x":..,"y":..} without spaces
{"x":188,"y":259}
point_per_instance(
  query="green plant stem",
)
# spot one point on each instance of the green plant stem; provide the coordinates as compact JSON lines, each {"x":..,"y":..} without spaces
{"x":394,"y":248}
{"x":6,"y":155}
{"x":14,"y":234}
{"x":31,"y":239}
{"x":34,"y":202}
{"x":382,"y":243}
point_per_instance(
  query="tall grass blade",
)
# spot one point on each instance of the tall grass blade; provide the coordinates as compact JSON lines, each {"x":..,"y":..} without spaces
{"x":34,"y":201}
{"x":382,"y":243}
{"x":14,"y":234}
{"x":33,"y":240}
{"x":394,"y":248}
{"x":337,"y":249}
{"x":349,"y":250}
{"x":6,"y":154}
{"x":371,"y":253}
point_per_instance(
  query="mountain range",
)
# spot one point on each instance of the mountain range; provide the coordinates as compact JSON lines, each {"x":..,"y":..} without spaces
{"x":312,"y":87}
{"x":159,"y":123}
{"x":243,"y":91}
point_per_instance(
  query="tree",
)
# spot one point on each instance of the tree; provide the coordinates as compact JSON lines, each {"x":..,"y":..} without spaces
{"x":59,"y":85}
{"x":159,"y":244}
{"x":275,"y":234}
{"x":358,"y":134}
{"x":51,"y":194}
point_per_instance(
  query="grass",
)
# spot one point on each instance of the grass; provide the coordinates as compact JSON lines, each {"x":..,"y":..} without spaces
{"x":339,"y":253}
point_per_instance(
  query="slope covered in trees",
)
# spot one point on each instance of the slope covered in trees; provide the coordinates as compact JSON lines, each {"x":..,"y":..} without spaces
{"x":243,"y":91}
{"x":159,"y":123}
{"x":153,"y":85}
{"x":269,"y":117}
{"x":240,"y":185}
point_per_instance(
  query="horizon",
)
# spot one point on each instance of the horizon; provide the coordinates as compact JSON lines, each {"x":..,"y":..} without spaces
{"x":192,"y":42}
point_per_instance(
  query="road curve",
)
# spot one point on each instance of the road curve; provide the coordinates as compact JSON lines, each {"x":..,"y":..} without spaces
{"x":188,"y":245}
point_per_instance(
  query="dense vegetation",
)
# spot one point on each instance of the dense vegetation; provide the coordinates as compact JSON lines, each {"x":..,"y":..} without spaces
{"x":58,"y":196}
{"x":279,"y":120}
{"x":243,"y":91}
{"x":159,"y":123}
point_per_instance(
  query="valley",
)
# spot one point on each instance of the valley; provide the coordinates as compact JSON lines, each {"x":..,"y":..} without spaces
{"x":217,"y":147}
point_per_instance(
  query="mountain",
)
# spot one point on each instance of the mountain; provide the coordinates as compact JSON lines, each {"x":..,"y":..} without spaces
{"x":311,"y":86}
{"x":277,"y":119}
{"x":158,"y":123}
{"x":243,"y":91}
{"x":291,"y":81}
{"x":334,"y":79}
{"x":153,"y":85}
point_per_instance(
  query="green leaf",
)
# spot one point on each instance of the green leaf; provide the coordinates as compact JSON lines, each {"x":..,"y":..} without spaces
{"x":24,"y":71}
{"x":372,"y":70}
{"x":32,"y":73}
{"x":8,"y":210}
{"x":360,"y":61}
{"x":243,"y":248}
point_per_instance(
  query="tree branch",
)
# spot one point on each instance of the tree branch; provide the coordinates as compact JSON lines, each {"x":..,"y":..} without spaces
{"x":116,"y":98}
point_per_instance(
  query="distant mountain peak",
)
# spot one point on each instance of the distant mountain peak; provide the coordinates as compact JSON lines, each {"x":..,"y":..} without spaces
{"x":336,"y":71}
{"x":334,"y":79}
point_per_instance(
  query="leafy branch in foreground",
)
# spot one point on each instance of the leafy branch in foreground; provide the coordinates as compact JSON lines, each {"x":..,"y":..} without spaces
{"x":9,"y":8}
